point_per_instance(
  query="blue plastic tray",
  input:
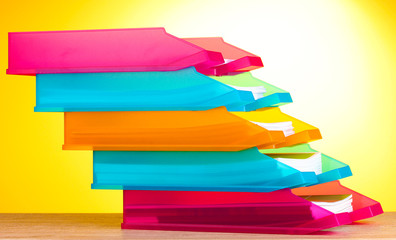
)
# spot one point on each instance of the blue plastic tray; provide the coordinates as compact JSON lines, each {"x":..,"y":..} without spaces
{"x":243,"y":171}
{"x":332,"y":169}
{"x":182,"y":90}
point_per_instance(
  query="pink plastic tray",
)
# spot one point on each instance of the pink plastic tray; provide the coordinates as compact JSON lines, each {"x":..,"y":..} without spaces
{"x":237,"y":60}
{"x":274,"y":212}
{"x":112,"y":50}
{"x":363,"y":207}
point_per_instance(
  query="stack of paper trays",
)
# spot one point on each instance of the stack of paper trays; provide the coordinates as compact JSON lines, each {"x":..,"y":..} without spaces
{"x":195,"y":142}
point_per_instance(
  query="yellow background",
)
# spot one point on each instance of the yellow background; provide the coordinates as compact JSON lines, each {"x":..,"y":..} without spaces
{"x":337,"y":58}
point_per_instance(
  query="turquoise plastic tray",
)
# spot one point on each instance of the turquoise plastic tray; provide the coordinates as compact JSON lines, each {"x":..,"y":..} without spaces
{"x":243,"y":171}
{"x":332,"y":169}
{"x":185,"y":89}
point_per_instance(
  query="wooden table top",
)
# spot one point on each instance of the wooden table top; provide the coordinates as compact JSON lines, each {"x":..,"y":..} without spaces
{"x":107,"y":226}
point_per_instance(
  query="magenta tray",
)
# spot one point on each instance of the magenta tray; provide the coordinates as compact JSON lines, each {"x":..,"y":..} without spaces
{"x":111,"y":50}
{"x":236,"y":59}
{"x":272,"y":212}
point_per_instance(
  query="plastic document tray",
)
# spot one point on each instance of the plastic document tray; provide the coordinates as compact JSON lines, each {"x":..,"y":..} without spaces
{"x":211,"y":130}
{"x":304,"y":132}
{"x":273,"y":96}
{"x":237,"y":60}
{"x":110,"y":50}
{"x":363,"y":207}
{"x":332,"y":169}
{"x":273,"y":212}
{"x":180,"y":90}
{"x":242,"y":171}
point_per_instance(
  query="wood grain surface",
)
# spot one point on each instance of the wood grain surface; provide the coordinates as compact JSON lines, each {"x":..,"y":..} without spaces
{"x":107,"y":226}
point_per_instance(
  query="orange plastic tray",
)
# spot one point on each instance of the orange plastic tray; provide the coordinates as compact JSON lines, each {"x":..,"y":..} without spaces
{"x":211,"y":130}
{"x":304,"y":132}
